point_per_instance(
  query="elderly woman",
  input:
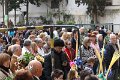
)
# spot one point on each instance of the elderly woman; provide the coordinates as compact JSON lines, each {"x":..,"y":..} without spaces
{"x":87,"y":51}
{"x":4,"y":66}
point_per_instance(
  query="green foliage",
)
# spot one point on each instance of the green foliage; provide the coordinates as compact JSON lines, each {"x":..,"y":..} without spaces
{"x":8,"y":78}
{"x":45,"y":20}
{"x":27,"y":57}
{"x":95,"y":6}
{"x":60,"y":22}
{"x":70,"y":22}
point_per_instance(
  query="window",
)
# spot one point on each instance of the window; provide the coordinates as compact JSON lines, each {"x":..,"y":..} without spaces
{"x":54,"y":4}
{"x":108,"y":2}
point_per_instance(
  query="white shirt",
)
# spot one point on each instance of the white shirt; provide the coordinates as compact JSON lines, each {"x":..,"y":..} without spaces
{"x":24,"y":49}
{"x":41,"y":51}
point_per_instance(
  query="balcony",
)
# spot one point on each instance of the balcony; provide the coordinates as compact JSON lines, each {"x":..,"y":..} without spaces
{"x":113,"y":7}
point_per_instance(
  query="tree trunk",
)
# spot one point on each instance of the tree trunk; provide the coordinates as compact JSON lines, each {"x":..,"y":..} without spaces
{"x":3,"y":9}
{"x":6,"y":13}
{"x":59,"y":11}
{"x":27,"y":10}
{"x":15,"y":16}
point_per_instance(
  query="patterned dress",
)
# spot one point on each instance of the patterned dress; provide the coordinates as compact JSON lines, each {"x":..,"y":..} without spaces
{"x":87,"y":53}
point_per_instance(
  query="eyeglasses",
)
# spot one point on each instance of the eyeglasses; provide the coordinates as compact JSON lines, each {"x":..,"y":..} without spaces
{"x":69,"y":44}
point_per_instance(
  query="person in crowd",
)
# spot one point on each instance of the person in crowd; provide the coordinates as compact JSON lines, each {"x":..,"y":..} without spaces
{"x":91,"y":77}
{"x":82,"y":34}
{"x":7,"y":38}
{"x":14,"y":65}
{"x":64,"y":36}
{"x":35,"y":68}
{"x":87,"y":51}
{"x":96,"y":48}
{"x":89,"y":65}
{"x":47,"y":46}
{"x":109,"y":51}
{"x":4,"y":66}
{"x":42,"y":36}
{"x":1,"y":44}
{"x":73,"y":75}
{"x":9,"y":51}
{"x":107,"y":38}
{"x":23,"y":74}
{"x":56,"y":60}
{"x":27,"y":33}
{"x":90,"y":31}
{"x":70,"y":52}
{"x":40,"y":49}
{"x":83,"y":74}
{"x":94,"y":43}
{"x":34,"y":48}
{"x":74,"y":38}
{"x":56,"y":32}
{"x":57,"y":74}
{"x":102,"y":31}
{"x":15,"y":41}
{"x":27,"y":47}
{"x":31,"y":37}
{"x":6,"y":48}
{"x":100,"y":41}
{"x":118,"y":41}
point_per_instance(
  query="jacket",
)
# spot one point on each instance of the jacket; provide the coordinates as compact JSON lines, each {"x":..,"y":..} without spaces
{"x":3,"y":74}
{"x":59,"y":60}
{"x":108,"y":54}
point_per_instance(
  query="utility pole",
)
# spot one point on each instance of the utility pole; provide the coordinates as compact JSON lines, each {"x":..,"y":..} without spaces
{"x":6,"y":13}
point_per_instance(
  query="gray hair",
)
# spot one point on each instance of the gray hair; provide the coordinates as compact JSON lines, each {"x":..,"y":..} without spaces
{"x":112,"y":35}
{"x":15,"y":47}
{"x":85,"y":40}
{"x":27,"y":42}
{"x":38,"y":40}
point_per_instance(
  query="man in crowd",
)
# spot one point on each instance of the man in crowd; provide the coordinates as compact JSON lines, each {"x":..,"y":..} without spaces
{"x":35,"y":68}
{"x":56,"y":60}
{"x":109,"y":51}
{"x":16,"y":50}
{"x":39,"y":43}
{"x":26,"y":47}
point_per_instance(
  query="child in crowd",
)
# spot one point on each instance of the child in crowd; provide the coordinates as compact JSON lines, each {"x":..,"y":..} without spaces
{"x":89,"y":64}
{"x":91,"y":77}
{"x":57,"y":75}
{"x":73,"y":75}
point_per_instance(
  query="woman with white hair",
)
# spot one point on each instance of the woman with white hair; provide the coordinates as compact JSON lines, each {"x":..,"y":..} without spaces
{"x":87,"y":51}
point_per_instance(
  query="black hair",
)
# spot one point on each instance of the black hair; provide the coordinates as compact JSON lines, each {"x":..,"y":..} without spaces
{"x":56,"y":73}
{"x":58,"y":42}
{"x":91,"y":77}
{"x":74,"y":32}
{"x":83,"y":74}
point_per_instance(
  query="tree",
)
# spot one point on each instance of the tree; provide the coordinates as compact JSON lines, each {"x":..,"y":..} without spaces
{"x":94,"y":8}
{"x":34,"y":2}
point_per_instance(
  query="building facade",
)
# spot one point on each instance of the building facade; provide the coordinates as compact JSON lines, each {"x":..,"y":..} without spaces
{"x":46,"y":10}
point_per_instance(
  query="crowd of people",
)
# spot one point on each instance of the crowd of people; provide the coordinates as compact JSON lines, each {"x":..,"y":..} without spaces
{"x":44,"y":63}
